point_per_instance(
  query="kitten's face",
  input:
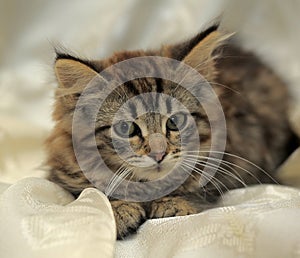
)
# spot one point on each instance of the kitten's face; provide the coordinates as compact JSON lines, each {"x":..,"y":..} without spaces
{"x":146,"y":135}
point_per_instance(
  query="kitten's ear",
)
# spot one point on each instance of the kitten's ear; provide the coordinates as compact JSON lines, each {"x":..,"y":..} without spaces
{"x":73,"y":75}
{"x":198,"y":52}
{"x":73,"y":72}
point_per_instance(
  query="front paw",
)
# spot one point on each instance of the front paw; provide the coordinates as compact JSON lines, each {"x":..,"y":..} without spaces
{"x":128,"y":216}
{"x":171,"y":206}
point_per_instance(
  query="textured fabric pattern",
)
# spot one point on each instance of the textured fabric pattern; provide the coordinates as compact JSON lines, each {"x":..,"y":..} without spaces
{"x":39,"y":219}
{"x":261,"y":221}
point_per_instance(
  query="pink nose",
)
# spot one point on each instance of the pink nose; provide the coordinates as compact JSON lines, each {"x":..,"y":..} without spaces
{"x":158,"y":146}
{"x":158,"y":157}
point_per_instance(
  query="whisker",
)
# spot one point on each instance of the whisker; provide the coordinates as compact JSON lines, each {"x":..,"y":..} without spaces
{"x":122,"y":178}
{"x":116,"y":180}
{"x":126,"y":189}
{"x":216,"y":186}
{"x":224,"y":162}
{"x":217,"y":167}
{"x":243,"y":159}
{"x":114,"y":177}
{"x":225,"y":86}
{"x":195,"y":178}
{"x":211,"y":179}
{"x":227,"y":164}
{"x":220,"y":169}
{"x":208,"y":176}
{"x":119,"y":170}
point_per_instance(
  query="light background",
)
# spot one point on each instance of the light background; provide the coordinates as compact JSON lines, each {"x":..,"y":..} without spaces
{"x":95,"y":29}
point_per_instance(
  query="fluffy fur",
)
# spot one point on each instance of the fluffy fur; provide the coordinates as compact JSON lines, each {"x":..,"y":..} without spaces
{"x":254,"y":100}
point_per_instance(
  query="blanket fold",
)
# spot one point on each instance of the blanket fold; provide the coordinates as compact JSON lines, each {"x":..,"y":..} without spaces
{"x":40,"y":219}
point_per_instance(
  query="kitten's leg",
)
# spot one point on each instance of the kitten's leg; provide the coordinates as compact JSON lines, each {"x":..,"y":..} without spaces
{"x":172,"y":206}
{"x":129,"y":216}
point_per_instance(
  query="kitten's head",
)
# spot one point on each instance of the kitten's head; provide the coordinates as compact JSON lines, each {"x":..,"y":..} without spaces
{"x":148,"y":139}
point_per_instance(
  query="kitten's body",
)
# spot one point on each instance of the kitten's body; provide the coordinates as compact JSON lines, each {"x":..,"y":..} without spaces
{"x":255,"y":103}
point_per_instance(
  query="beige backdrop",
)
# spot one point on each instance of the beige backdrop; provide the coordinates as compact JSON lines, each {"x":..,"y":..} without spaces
{"x":95,"y":29}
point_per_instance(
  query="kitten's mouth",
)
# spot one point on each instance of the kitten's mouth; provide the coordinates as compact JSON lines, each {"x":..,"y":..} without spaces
{"x":158,"y":167}
{"x":155,"y":168}
{"x":156,"y":171}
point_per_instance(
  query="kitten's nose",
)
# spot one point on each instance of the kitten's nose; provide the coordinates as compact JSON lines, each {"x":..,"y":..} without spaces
{"x":158,"y":157}
{"x":158,"y":146}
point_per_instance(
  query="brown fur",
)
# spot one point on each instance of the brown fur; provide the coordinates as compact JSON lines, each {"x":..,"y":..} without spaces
{"x":255,"y":103}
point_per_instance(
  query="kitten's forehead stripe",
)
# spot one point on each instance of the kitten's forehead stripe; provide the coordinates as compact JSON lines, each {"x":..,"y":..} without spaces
{"x":153,"y":121}
{"x":159,"y":89}
{"x":131,"y":88}
{"x":133,"y":110}
{"x":159,"y":85}
{"x":169,"y":105}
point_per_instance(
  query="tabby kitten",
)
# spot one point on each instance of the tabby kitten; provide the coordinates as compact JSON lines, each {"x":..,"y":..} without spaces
{"x":254,"y":102}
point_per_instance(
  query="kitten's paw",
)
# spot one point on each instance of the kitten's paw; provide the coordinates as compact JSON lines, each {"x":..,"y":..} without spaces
{"x":171,"y":206}
{"x":128,"y":216}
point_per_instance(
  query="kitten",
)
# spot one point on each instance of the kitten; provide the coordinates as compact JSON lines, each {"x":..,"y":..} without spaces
{"x":254,"y":101}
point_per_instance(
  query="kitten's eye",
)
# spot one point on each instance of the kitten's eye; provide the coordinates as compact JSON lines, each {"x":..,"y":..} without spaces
{"x":176,"y":122}
{"x":126,"y":129}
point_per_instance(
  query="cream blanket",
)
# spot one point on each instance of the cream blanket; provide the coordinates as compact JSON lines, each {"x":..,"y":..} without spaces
{"x":40,"y":219}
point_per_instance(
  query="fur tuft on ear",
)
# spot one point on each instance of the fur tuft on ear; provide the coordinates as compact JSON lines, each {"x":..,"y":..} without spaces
{"x":198,"y":52}
{"x":62,"y":53}
{"x":71,"y":73}
{"x":202,"y":57}
{"x":180,"y":51}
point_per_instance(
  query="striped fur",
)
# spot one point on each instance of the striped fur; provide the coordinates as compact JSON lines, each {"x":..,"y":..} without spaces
{"x":254,"y":99}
